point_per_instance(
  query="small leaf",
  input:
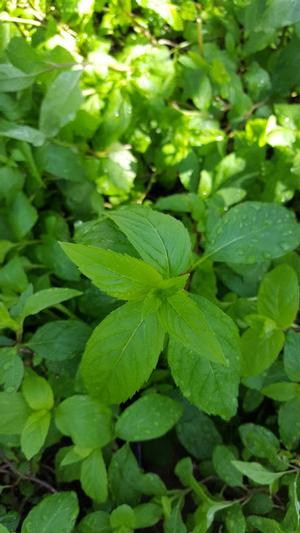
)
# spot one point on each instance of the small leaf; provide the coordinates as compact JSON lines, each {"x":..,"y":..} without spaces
{"x":119,"y":275}
{"x":5,"y":319}
{"x":282,"y":391}
{"x":12,"y":79}
{"x":85,"y":420}
{"x":148,"y":418}
{"x":60,"y":103}
{"x":161,"y":240}
{"x":260,"y":441}
{"x":93,"y":477}
{"x":14,"y":413}
{"x":57,"y":512}
{"x":117,"y":362}
{"x":34,"y":433}
{"x":257,"y":472}
{"x":260,"y":346}
{"x":37,"y":391}
{"x":46,"y":298}
{"x":278,"y":296}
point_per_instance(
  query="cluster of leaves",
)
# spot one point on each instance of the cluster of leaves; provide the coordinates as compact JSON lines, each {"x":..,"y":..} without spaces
{"x":149,"y":275}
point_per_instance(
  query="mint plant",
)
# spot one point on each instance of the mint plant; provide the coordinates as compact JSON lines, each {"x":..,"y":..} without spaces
{"x":149,"y":266}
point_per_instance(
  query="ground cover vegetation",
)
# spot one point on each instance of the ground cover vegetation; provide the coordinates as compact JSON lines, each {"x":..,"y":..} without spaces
{"x":149,"y":277}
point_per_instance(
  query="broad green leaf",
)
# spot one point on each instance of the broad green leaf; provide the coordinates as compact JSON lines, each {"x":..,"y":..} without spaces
{"x":235,"y":520}
{"x":291,"y":520}
{"x":5,"y":319}
{"x":93,"y":476}
{"x":264,"y":525}
{"x":222,"y":461}
{"x":13,"y":276}
{"x":124,"y":476}
{"x":161,"y":240}
{"x":22,"y":216}
{"x":120,"y":276}
{"x":46,"y":298}
{"x":245,"y":234}
{"x":187,"y":324}
{"x":85,"y":420}
{"x":14,"y":413}
{"x":281,"y":391}
{"x":289,"y":423}
{"x":173,"y":523}
{"x":11,"y":369}
{"x":60,"y":103}
{"x":260,"y":441}
{"x":11,"y":130}
{"x":197,"y":433}
{"x":96,"y":522}
{"x":122,"y":519}
{"x":13,"y":79}
{"x":291,"y":357}
{"x":147,"y":515}
{"x":278,"y":296}
{"x":149,"y":417}
{"x":34,"y":433}
{"x":54,"y":513}
{"x":37,"y":391}
{"x":121,"y":353}
{"x":260,"y":346}
{"x":60,"y":340}
{"x":210,"y":386}
{"x":257,"y":472}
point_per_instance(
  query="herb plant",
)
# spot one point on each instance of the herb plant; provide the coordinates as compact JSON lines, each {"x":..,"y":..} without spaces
{"x":149,"y":267}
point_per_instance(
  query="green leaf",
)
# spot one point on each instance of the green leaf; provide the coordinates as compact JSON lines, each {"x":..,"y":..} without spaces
{"x":235,"y":520}
{"x":3,"y":529}
{"x":22,"y":216}
{"x":122,"y":519}
{"x":85,"y":420}
{"x":46,"y":298}
{"x":37,"y":391}
{"x":148,"y":418}
{"x":60,"y":340}
{"x":12,"y":79}
{"x":161,"y":240}
{"x":282,"y":391}
{"x":147,"y":515}
{"x":11,"y":130}
{"x":96,"y":522}
{"x":14,"y":413}
{"x":57,"y":512}
{"x":121,"y":353}
{"x":245,"y":234}
{"x":187,"y":324}
{"x":260,"y":441}
{"x":197,"y":433}
{"x":34,"y":433}
{"x":222,"y":461}
{"x":11,"y":369}
{"x":173,"y":523}
{"x":60,"y":103}
{"x":120,"y":276}
{"x":289,"y":423}
{"x":257,"y":472}
{"x":168,"y":11}
{"x":93,"y":477}
{"x":260,"y":346}
{"x":264,"y":525}
{"x":5,"y":319}
{"x":208,"y":385}
{"x":278,"y":296}
{"x":291,"y":357}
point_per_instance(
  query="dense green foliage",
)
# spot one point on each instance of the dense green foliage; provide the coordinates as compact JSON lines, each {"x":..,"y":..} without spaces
{"x":149,"y":277}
